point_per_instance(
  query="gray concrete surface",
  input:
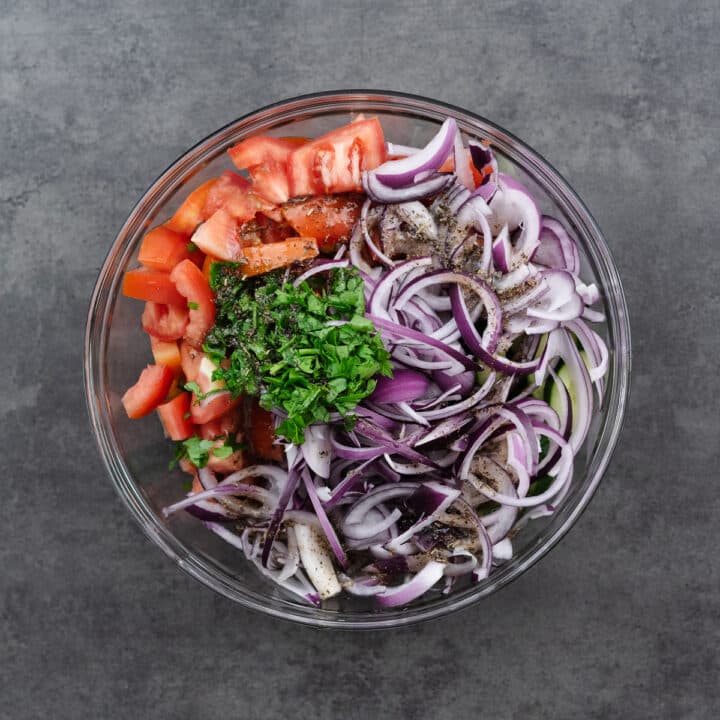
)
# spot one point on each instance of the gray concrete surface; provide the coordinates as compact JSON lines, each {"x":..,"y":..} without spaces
{"x":622,"y":620}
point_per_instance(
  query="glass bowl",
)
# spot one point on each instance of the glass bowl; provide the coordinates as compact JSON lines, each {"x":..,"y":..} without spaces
{"x":135,"y":452}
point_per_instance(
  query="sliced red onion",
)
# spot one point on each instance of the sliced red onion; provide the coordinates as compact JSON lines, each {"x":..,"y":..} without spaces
{"x":429,"y":501}
{"x":399,"y":173}
{"x":595,"y":349}
{"x":464,"y":405}
{"x":380,"y":297}
{"x":418,"y":217}
{"x":502,"y":250}
{"x":446,"y":427}
{"x":413,"y":589}
{"x":514,"y":206}
{"x":316,"y":562}
{"x":320,"y":267}
{"x":389,"y":443}
{"x":462,"y":167}
{"x":484,"y":161}
{"x":207,"y":478}
{"x":379,"y":192}
{"x":214,"y":512}
{"x":400,"y":150}
{"x":389,"y":328}
{"x":403,"y":386}
{"x":362,"y":586}
{"x":569,"y":248}
{"x":317,"y":449}
{"x":325,"y":523}
{"x":382,"y":494}
{"x":368,"y":529}
{"x":231,"y":489}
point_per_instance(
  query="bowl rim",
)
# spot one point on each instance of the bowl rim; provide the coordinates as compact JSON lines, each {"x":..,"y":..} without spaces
{"x":105,"y":291}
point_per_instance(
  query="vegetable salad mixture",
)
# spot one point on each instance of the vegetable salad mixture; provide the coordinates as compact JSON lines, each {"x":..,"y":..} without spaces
{"x":376,"y":360}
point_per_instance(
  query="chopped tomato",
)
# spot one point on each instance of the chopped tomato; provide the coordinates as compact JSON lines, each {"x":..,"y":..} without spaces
{"x":270,"y":181}
{"x":207,"y":264}
{"x":260,"y":259}
{"x":164,"y":322}
{"x":233,"y":193}
{"x":175,"y":417}
{"x":190,"y":214}
{"x":449,"y":166}
{"x":163,"y":249}
{"x":190,"y":359}
{"x":327,"y":218}
{"x":264,"y":230}
{"x":262,"y":434}
{"x":166,"y":353}
{"x":212,"y":407}
{"x":153,"y":285}
{"x":218,"y":236}
{"x":334,"y":162}
{"x":148,"y":392}
{"x":231,"y":463}
{"x":261,"y":149}
{"x":191,"y":283}
{"x":222,"y":426}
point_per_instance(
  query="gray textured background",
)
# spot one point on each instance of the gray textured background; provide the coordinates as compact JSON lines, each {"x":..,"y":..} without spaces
{"x":621,"y":620}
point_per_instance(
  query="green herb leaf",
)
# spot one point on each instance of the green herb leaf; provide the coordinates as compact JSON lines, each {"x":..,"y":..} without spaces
{"x":191,"y":247}
{"x":193,"y":305}
{"x":308,"y":350}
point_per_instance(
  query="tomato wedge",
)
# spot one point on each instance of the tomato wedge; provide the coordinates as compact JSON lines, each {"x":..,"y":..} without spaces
{"x":164,"y":322}
{"x":190,"y":214}
{"x":333,"y":163}
{"x":211,"y":407}
{"x":166,"y":353}
{"x":270,"y":181}
{"x":219,"y":236}
{"x":327,"y":218}
{"x":222,"y":426}
{"x":153,"y":285}
{"x":190,"y":359}
{"x":260,"y":259}
{"x":175,"y":417}
{"x":233,"y":193}
{"x":163,"y":249}
{"x":261,"y":149}
{"x":262,"y":434}
{"x":148,"y":392}
{"x":193,"y":285}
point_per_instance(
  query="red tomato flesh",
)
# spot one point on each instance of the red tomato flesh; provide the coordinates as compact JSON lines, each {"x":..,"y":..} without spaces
{"x":164,"y":322}
{"x":334,"y":162}
{"x":163,"y":249}
{"x":219,"y":236}
{"x":233,"y":193}
{"x":327,"y":218}
{"x":175,"y":417}
{"x":152,"y":285}
{"x":148,"y":392}
{"x":190,"y":214}
{"x":193,"y":285}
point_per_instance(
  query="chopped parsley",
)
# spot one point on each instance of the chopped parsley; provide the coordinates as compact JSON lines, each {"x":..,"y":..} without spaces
{"x":193,"y":305}
{"x":198,"y":451}
{"x":308,"y":351}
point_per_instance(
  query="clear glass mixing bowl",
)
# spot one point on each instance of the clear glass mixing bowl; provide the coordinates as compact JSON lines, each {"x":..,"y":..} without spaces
{"x":135,"y":452}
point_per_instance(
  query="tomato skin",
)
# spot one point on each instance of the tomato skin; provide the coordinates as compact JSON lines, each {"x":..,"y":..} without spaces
{"x":334,"y":162}
{"x":166,"y":353}
{"x":261,"y":426}
{"x":261,"y":149}
{"x":193,"y":285}
{"x":163,"y":249}
{"x":219,"y":236}
{"x":229,"y":464}
{"x":259,"y":259}
{"x":164,"y":322}
{"x":327,"y":218}
{"x":233,"y":194}
{"x":148,"y":392}
{"x":152,"y":285}
{"x":270,"y":181}
{"x":175,"y":417}
{"x":222,"y":426}
{"x":190,"y":214}
{"x":190,"y":359}
{"x":212,"y":407}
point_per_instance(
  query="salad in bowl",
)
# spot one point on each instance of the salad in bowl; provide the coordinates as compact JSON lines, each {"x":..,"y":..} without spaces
{"x":381,"y":361}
